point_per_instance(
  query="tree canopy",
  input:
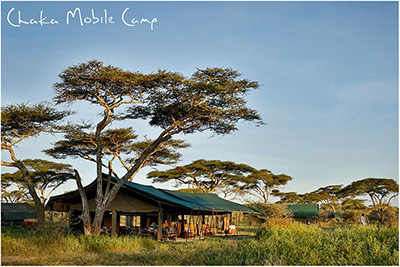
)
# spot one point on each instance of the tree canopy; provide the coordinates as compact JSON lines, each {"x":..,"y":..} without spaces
{"x":47,"y":176}
{"x":376,"y":188}
{"x":212,"y":99}
{"x":118,"y":144}
{"x":209,"y":176}
{"x":13,"y":193}
{"x":289,"y":198}
{"x":20,"y":121}
{"x":263,"y":183}
{"x":328,"y":196}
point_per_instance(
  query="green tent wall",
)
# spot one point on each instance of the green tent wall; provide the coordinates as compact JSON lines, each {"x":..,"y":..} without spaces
{"x":304,"y":210}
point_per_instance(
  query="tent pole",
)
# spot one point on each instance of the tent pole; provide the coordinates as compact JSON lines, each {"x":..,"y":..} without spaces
{"x":113,"y":223}
{"x":202,"y":222}
{"x":225,"y":222}
{"x":190,"y":220}
{"x":183,"y":225}
{"x":159,"y":227}
{"x":249,"y":223}
{"x":208,"y":221}
{"x":169,"y":223}
{"x":213,"y":223}
{"x":240,"y":213}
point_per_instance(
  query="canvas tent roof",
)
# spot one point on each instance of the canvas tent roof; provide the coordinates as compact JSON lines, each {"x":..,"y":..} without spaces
{"x":197,"y":201}
{"x":209,"y":201}
{"x":17,"y":211}
{"x":161,"y":195}
{"x":155,"y":196}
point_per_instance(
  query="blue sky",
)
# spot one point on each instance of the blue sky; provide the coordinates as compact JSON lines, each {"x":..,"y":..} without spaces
{"x":328,"y":70}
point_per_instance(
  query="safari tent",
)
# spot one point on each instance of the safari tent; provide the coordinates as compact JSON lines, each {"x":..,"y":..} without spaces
{"x":16,"y":213}
{"x":304,"y":210}
{"x":149,"y":204}
{"x":306,"y":213}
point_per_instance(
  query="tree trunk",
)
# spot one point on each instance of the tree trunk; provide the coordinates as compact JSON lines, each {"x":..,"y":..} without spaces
{"x":98,"y":219}
{"x":87,"y":226}
{"x":85,"y":216}
{"x":40,"y":209}
{"x":103,"y":199}
{"x":109,"y":196}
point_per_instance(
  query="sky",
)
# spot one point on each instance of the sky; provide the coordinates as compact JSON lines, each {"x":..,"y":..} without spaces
{"x":328,"y":73}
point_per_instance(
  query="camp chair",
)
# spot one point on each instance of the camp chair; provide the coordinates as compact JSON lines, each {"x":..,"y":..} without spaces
{"x":186,"y":231}
{"x":207,"y":230}
{"x":144,"y":232}
{"x":169,"y":235}
{"x":189,"y":231}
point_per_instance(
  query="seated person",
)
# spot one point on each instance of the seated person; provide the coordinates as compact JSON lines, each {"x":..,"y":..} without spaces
{"x":165,"y":224}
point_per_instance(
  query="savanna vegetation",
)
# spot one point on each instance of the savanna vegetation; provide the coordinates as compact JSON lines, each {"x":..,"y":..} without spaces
{"x":290,"y":244}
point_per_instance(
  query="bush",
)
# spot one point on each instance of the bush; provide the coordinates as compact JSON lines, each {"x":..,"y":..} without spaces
{"x":388,"y":216}
{"x":275,"y":210}
{"x":273,"y":214}
{"x":353,"y":215}
{"x":271,"y":229}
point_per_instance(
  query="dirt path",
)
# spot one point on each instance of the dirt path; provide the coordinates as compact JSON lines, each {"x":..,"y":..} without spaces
{"x":15,"y":260}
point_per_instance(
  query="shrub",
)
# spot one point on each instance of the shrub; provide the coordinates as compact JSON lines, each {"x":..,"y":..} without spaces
{"x":388,"y":216}
{"x":353,"y":215}
{"x":274,"y":214}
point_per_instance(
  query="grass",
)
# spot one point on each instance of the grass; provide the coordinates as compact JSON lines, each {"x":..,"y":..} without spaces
{"x":293,"y":244}
{"x":309,"y":245}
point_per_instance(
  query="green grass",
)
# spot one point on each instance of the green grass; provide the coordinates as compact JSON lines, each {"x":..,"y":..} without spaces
{"x":294,"y":244}
{"x":308,"y":245}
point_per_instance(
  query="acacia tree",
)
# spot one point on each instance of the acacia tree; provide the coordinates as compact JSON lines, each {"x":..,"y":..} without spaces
{"x":263,"y":183}
{"x":211,"y":99}
{"x":289,"y":198}
{"x":353,"y":204}
{"x":276,"y":210}
{"x":47,"y":176}
{"x":190,"y":190}
{"x":380,"y":190}
{"x":13,"y":193}
{"x":294,"y":198}
{"x":327,"y":196}
{"x":118,"y":144}
{"x":209,"y":176}
{"x":20,"y":122}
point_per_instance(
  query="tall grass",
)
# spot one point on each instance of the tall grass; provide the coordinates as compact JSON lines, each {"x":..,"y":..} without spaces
{"x":309,"y":245}
{"x":15,"y":242}
{"x":292,"y":244}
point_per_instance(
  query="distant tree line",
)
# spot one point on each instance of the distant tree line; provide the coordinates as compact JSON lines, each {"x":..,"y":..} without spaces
{"x":224,"y":177}
{"x":238,"y":180}
{"x":242,"y":181}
